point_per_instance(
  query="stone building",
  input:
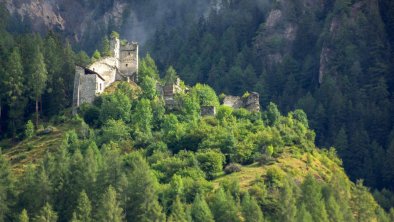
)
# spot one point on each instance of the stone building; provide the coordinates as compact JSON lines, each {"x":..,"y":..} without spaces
{"x":91,"y":81}
{"x":169,"y":90}
{"x":250,"y":102}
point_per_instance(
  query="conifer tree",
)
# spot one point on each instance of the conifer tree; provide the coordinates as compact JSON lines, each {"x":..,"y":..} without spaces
{"x":287,"y":198}
{"x":29,"y":129}
{"x":38,"y":78}
{"x":223,"y":207}
{"x":23,"y":217}
{"x":6,"y":187}
{"x":143,"y":202}
{"x":313,"y":200}
{"x":14,"y":89}
{"x":200,"y":210}
{"x":75,"y":183}
{"x":333,"y":210}
{"x":178,"y":213}
{"x":46,"y":214}
{"x":303,"y":215}
{"x":251,"y":210}
{"x":363,"y":205}
{"x":105,"y":47}
{"x":83,"y":209}
{"x":109,"y":208}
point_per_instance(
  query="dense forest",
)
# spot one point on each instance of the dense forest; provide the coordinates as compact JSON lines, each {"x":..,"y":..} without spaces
{"x":333,"y":60}
{"x":128,"y":158}
{"x":328,"y":67}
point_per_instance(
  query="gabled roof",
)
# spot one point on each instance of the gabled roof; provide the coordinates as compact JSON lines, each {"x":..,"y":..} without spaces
{"x":90,"y":72}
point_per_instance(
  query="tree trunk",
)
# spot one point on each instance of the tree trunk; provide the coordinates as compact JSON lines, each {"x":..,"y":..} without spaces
{"x":41,"y":104}
{"x":37,"y":111}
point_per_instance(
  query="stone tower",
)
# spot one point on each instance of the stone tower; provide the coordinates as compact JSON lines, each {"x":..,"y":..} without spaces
{"x":128,"y":60}
{"x":115,"y":48}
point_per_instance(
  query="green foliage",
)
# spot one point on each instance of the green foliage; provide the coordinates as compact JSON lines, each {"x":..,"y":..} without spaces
{"x":312,"y":198}
{"x":105,"y":48}
{"x":171,"y":76}
{"x":223,"y":207}
{"x":6,"y":187}
{"x":147,"y":68}
{"x":46,"y":214}
{"x":114,"y":130}
{"x":211,"y":162}
{"x":29,"y":129}
{"x":143,"y":203}
{"x":84,"y":208}
{"x":114,"y":35}
{"x":177,"y":212}
{"x":12,"y":89}
{"x":109,"y":208}
{"x":148,"y":86}
{"x":96,"y":55}
{"x":364,"y":206}
{"x":251,"y":210}
{"x":206,"y":95}
{"x":272,"y":114}
{"x":115,"y":106}
{"x":23,"y":217}
{"x":200,"y":210}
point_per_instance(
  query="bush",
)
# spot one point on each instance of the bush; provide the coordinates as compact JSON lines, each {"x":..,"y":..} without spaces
{"x":211,"y":162}
{"x":232,"y":168}
{"x":29,"y":129}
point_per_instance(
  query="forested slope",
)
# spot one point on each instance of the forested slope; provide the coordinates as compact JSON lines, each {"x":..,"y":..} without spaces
{"x":128,"y":158}
{"x":333,"y":59}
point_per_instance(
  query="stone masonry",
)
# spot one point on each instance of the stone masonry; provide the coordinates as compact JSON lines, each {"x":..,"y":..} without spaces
{"x":251,"y":102}
{"x":91,"y":81}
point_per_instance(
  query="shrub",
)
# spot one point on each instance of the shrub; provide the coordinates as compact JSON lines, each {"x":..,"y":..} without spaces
{"x":232,"y":168}
{"x":29,"y":129}
{"x":274,"y":177}
{"x":211,"y":162}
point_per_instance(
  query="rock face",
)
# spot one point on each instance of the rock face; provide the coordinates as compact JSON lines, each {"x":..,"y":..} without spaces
{"x":92,"y":81}
{"x":44,"y":13}
{"x":251,"y":102}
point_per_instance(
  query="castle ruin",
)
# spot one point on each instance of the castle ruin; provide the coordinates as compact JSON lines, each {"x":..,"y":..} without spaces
{"x":91,"y":81}
{"x":251,"y":102}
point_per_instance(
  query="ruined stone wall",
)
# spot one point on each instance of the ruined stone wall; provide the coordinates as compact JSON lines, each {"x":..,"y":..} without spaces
{"x":115,"y":47}
{"x":87,"y":89}
{"x":251,"y":103}
{"x":79,"y":71}
{"x":106,"y":67}
{"x":233,"y":101}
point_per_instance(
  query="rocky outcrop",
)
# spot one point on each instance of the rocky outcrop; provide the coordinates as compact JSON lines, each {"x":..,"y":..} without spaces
{"x":43,"y":13}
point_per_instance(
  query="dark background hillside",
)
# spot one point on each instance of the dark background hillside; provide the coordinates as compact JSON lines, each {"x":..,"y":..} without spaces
{"x":333,"y":59}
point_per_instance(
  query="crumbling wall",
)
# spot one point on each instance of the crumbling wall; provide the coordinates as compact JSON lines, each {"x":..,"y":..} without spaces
{"x":79,"y":71}
{"x":233,"y":102}
{"x":251,"y":102}
{"x":106,"y":67}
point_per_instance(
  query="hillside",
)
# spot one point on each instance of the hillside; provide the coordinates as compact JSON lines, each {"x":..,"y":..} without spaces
{"x":136,"y":157}
{"x":253,"y":110}
{"x":332,"y":59}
